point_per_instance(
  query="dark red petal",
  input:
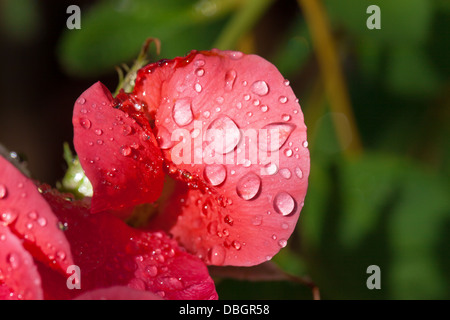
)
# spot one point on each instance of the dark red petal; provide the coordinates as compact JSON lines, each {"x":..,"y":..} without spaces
{"x":17,"y":270}
{"x":119,"y":155}
{"x":118,"y":293}
{"x":110,"y":253}
{"x":29,"y":217}
{"x":234,"y":132}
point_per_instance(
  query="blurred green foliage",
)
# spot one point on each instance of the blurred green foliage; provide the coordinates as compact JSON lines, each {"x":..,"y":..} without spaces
{"x":390,"y":205}
{"x":112,"y":32}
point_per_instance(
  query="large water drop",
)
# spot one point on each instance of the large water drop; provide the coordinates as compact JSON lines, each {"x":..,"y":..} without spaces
{"x":224,"y":134}
{"x":260,"y":88}
{"x":215,"y":174}
{"x":284,"y":203}
{"x":182,"y":112}
{"x":248,"y":186}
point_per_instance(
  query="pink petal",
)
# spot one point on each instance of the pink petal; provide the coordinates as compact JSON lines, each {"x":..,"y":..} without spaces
{"x":118,"y":153}
{"x":17,"y":270}
{"x":240,"y":144}
{"x":110,"y":253}
{"x":30,"y":218}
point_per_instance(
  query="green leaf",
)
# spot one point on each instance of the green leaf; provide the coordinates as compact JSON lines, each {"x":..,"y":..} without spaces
{"x":402,"y":21}
{"x":295,"y":51}
{"x":415,"y":231}
{"x":112,"y":32}
{"x":314,"y":212}
{"x":410,"y":73}
{"x":385,"y":211}
{"x":365,"y":185}
{"x":20,"y":19}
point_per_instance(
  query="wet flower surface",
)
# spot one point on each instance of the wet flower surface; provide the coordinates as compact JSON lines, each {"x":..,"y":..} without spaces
{"x":216,"y":141}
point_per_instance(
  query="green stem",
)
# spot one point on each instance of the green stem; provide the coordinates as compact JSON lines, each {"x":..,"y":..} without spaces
{"x":248,"y":14}
{"x":208,"y":10}
{"x":334,"y":81}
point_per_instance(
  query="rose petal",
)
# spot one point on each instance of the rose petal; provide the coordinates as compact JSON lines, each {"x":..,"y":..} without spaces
{"x":30,"y":218}
{"x":237,"y":113}
{"x":17,"y":270}
{"x":118,"y":154}
{"x":110,"y":253}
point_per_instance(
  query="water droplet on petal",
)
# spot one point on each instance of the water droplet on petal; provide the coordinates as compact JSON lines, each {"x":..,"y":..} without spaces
{"x":42,"y":221}
{"x":230,"y":78}
{"x":288,"y":152}
{"x":85,"y":123}
{"x":248,"y":186}
{"x":200,"y":72}
{"x":282,"y":243}
{"x":236,"y":244}
{"x":247,"y":163}
{"x":257,"y":220}
{"x":61,"y":255}
{"x":215,"y":174}
{"x":152,"y":270}
{"x":217,"y":255}
{"x":199,"y":63}
{"x":8,"y":216}
{"x":264,"y":108}
{"x":235,"y":55}
{"x":81,"y":101}
{"x":270,"y":168}
{"x":3,"y":191}
{"x":224,"y":133}
{"x":283,"y":99}
{"x":274,"y":135}
{"x":182,"y":112}
{"x":284,"y":203}
{"x":286,"y":117}
{"x":126,"y":130}
{"x":305,"y":144}
{"x":164,"y":138}
{"x":13,"y":259}
{"x":299,"y":173}
{"x":125,"y":151}
{"x":32,"y":215}
{"x":285,"y":173}
{"x":198,"y":87}
{"x":260,"y":88}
